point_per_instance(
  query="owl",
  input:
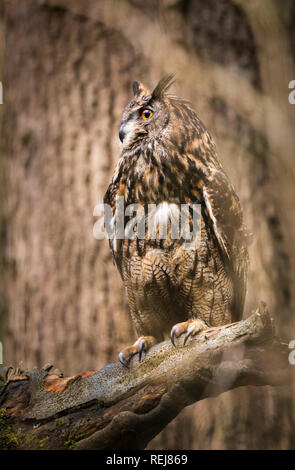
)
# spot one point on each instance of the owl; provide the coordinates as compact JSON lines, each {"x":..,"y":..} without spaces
{"x":169,"y":160}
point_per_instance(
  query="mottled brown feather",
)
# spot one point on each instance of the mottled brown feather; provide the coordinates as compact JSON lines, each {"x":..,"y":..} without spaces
{"x":172,"y":158}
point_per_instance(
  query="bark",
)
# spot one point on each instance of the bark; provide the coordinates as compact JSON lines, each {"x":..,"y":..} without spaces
{"x":65,"y":300}
{"x":119,"y":408}
{"x":68,"y":72}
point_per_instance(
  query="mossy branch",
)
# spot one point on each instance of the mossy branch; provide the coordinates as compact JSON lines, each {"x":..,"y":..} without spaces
{"x":116,"y":408}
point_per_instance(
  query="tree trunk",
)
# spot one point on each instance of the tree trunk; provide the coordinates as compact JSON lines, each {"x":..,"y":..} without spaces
{"x":66,"y":81}
{"x":68,"y":72}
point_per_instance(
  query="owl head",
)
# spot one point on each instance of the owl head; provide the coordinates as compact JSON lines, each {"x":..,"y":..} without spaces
{"x":147,"y":114}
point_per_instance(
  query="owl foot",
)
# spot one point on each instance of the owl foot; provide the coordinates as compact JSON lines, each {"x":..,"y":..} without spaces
{"x":144,"y":343}
{"x":191,"y":328}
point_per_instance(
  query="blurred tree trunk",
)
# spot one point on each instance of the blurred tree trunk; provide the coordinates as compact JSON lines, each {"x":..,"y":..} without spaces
{"x":68,"y":70}
{"x":2,"y":180}
{"x":67,"y":79}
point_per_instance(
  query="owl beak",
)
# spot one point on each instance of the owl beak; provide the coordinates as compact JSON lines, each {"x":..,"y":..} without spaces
{"x":122,"y":132}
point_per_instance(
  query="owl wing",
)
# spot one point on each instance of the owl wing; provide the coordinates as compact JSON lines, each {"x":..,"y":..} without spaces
{"x":114,"y":242}
{"x":240,"y":270}
{"x":223,"y":208}
{"x":224,"y":211}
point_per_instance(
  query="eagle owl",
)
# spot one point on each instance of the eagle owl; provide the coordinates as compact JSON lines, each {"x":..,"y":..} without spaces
{"x":168,"y":159}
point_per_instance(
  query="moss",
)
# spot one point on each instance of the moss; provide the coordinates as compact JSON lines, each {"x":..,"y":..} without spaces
{"x":59,"y":422}
{"x":33,"y":441}
{"x":13,"y":439}
{"x":30,"y":440}
{"x":8,"y":438}
{"x":70,"y":444}
{"x":44,"y":443}
{"x":3,"y":416}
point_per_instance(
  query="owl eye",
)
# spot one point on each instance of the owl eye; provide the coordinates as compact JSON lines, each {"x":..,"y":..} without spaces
{"x":146,"y":113}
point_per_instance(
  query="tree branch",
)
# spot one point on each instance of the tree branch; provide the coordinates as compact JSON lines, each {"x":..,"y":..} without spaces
{"x":116,"y":408}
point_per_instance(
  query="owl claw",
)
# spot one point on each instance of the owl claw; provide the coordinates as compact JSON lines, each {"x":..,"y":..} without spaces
{"x":189,"y":333}
{"x":122,"y":360}
{"x":173,"y":334}
{"x":142,"y":344}
{"x":141,"y":348}
{"x":190,"y":327}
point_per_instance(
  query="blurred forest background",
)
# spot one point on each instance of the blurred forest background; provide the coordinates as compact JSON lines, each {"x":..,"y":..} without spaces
{"x":67,"y":69}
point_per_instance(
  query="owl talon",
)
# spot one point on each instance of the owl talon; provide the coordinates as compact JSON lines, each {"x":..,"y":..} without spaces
{"x":173,"y":335}
{"x":189,"y":333}
{"x":142,"y":344}
{"x":190,"y":327}
{"x":122,"y":360}
{"x":141,"y":349}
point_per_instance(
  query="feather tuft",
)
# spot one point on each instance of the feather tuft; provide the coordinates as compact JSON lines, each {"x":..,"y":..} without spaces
{"x":163,"y":86}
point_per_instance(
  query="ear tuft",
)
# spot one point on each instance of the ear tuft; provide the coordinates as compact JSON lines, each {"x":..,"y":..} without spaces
{"x":139,"y":90}
{"x":163,"y":86}
{"x":135,"y":86}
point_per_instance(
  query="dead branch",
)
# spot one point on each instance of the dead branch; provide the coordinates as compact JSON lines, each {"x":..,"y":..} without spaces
{"x":116,"y":408}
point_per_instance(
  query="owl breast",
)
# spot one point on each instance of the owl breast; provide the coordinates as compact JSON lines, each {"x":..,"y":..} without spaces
{"x":167,"y":283}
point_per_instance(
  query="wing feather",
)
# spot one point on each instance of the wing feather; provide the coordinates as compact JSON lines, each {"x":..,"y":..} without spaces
{"x":225,"y":213}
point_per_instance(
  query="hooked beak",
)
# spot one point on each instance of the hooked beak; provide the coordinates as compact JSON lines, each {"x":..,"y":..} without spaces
{"x":121,"y":131}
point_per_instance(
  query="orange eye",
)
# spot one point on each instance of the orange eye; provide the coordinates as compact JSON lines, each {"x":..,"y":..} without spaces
{"x":146,"y":113}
